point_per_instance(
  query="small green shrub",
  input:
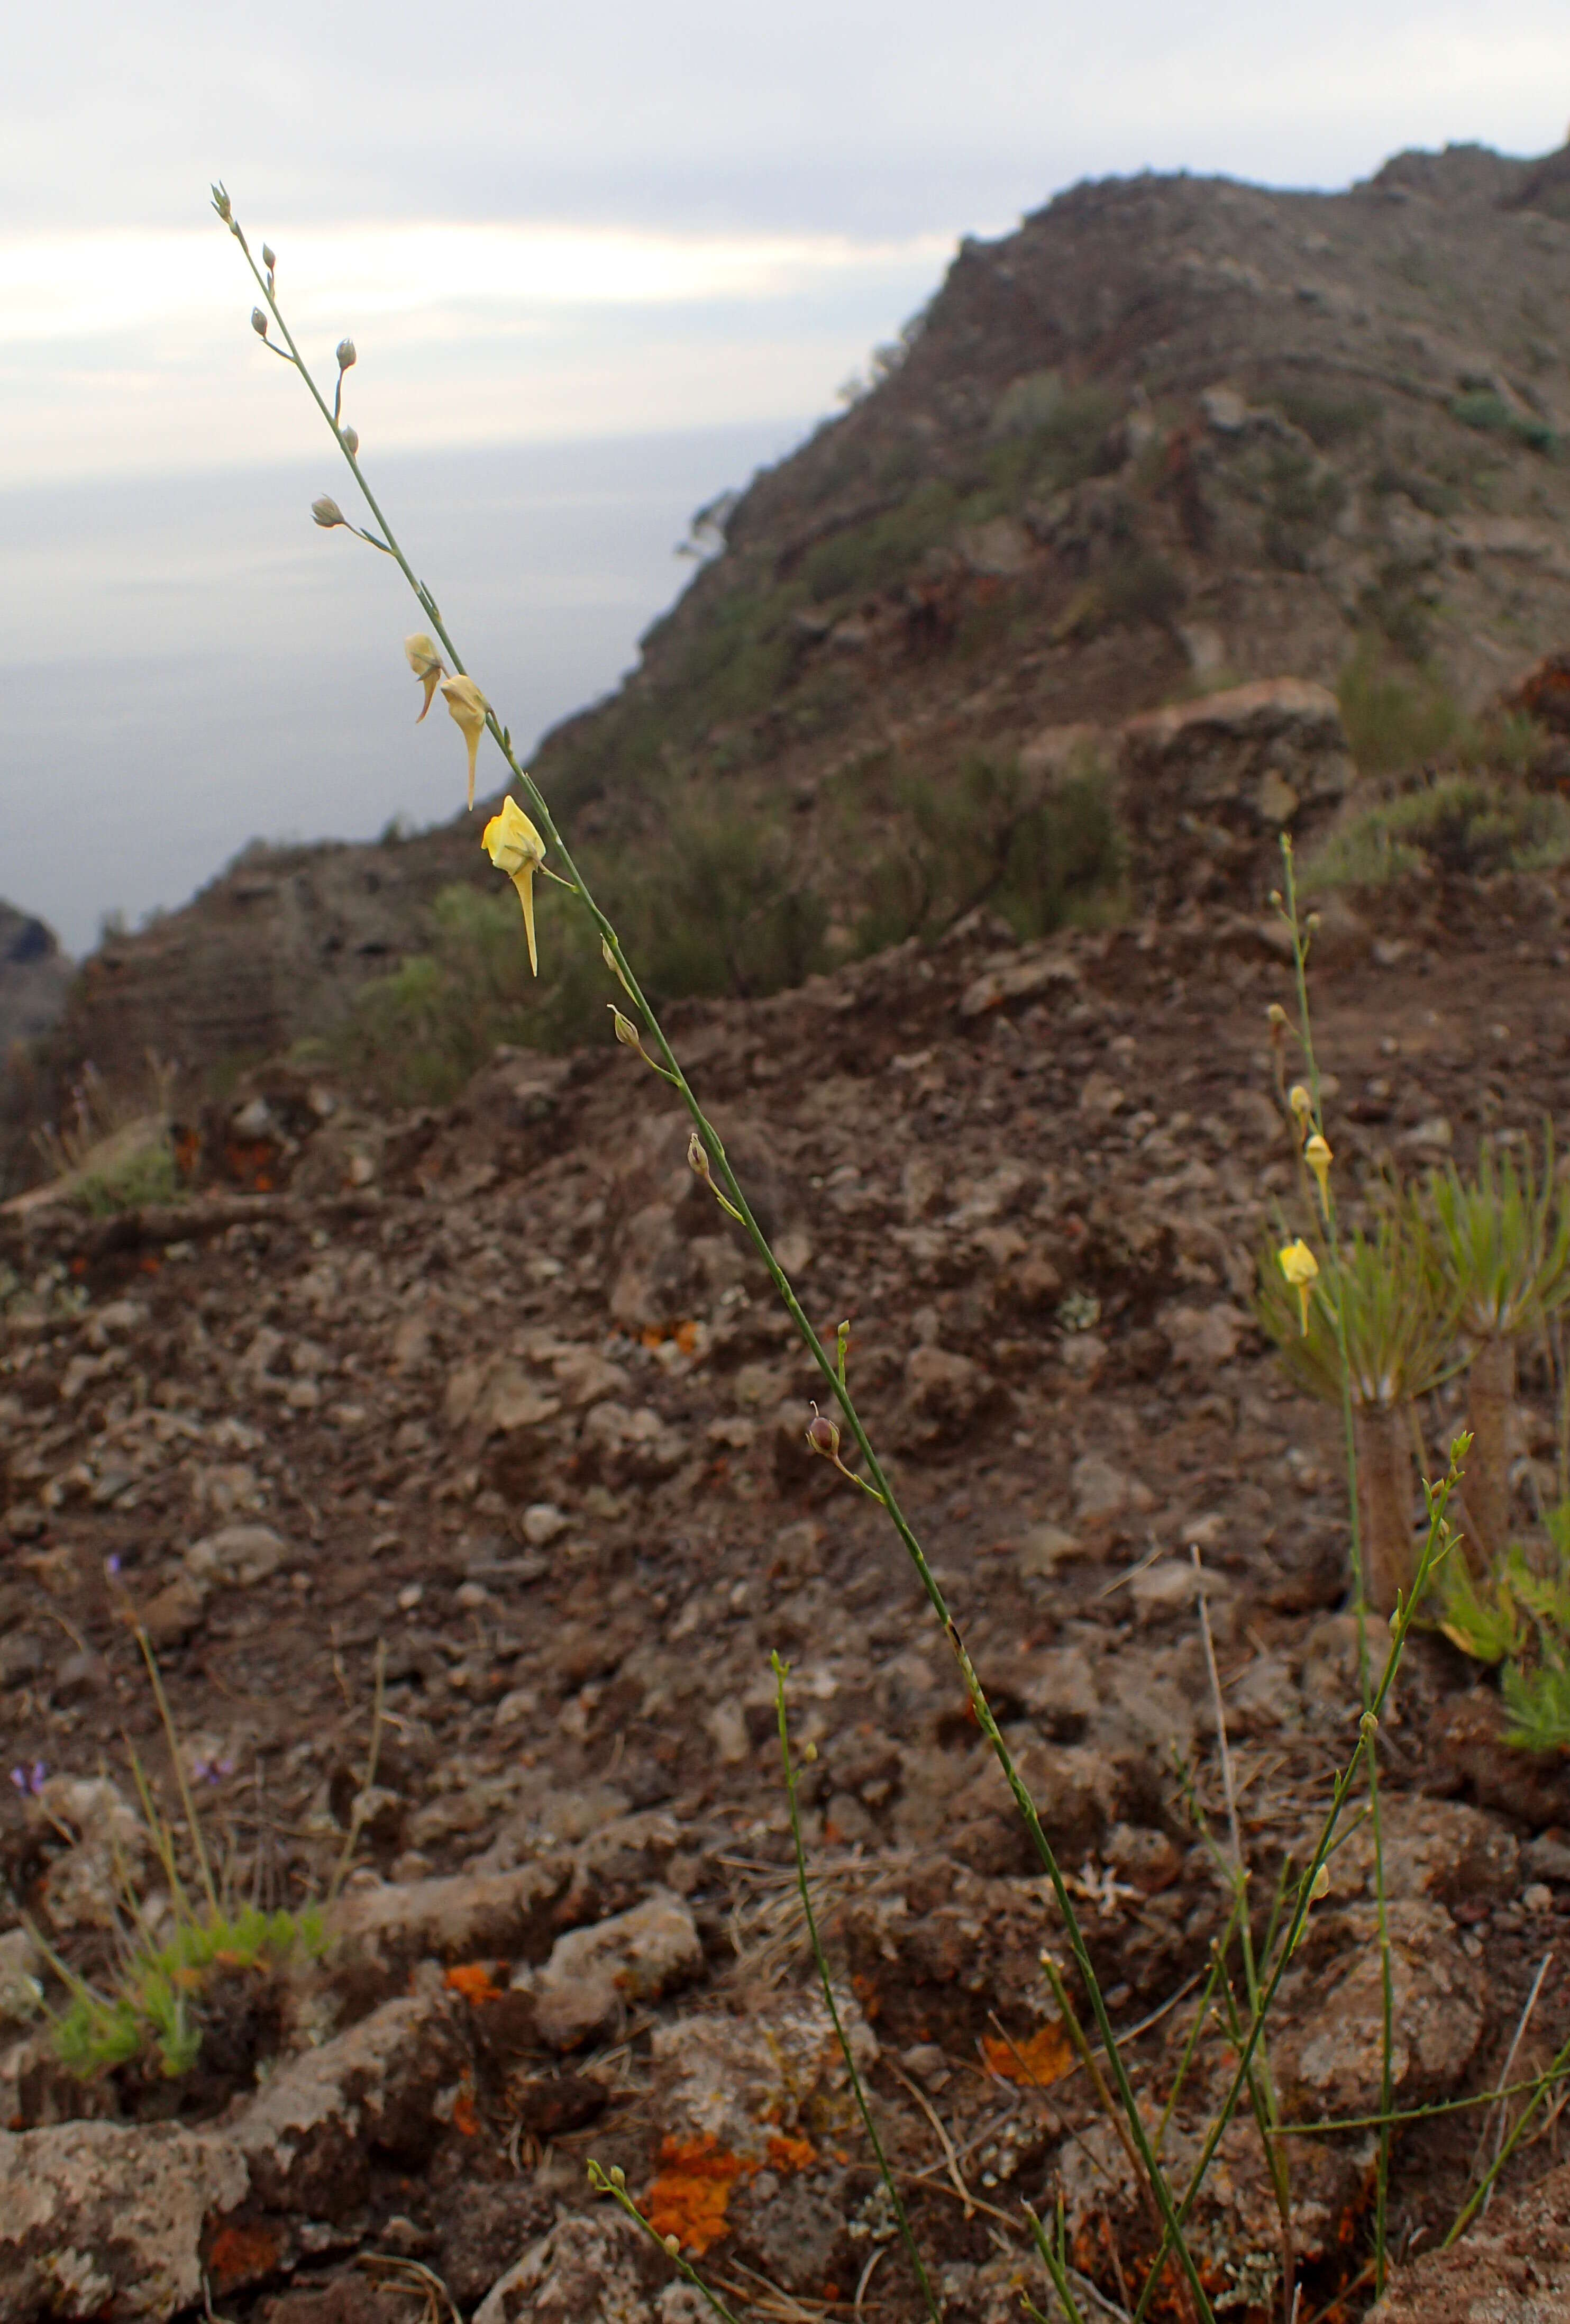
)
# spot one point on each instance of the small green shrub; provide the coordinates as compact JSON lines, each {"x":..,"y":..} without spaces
{"x":1304,"y":500}
{"x":147,"y":1176}
{"x":1325,"y":418}
{"x":1486,"y":411}
{"x":1468,"y":825}
{"x":1041,"y":862}
{"x":159,"y":2004}
{"x":1519,"y":1617}
{"x":883,"y":550}
{"x":1395,"y":720}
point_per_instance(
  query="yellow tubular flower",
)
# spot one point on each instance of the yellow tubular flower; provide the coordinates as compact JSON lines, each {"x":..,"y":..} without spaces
{"x":515,"y":847}
{"x":1317,"y":1154}
{"x":1301,"y":1269}
{"x":423,"y":657}
{"x":468,"y":707}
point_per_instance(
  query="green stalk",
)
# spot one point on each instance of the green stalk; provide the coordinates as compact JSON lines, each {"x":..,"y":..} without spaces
{"x":912,"y":2249}
{"x":1360,"y":1569}
{"x":837,"y":1388}
{"x":1436,"y":1543}
{"x":1468,"y":2211}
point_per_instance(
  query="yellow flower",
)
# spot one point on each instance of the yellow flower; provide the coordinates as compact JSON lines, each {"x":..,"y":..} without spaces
{"x":1301,"y":1104}
{"x":423,"y":657}
{"x":468,"y":707}
{"x":1317,"y":1154}
{"x":515,"y":847}
{"x":1301,"y":1269}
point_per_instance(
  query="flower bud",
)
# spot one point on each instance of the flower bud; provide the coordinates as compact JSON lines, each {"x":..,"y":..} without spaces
{"x":268,"y":259}
{"x":1301,"y":1104}
{"x":618,"y":2175}
{"x":698,"y":1159}
{"x":1276,"y":1017}
{"x":259,"y":322}
{"x":1301,"y":1269}
{"x":1317,"y":1154}
{"x":673,"y":2243}
{"x":222,"y":204}
{"x":626,"y":1032}
{"x":1321,"y":1885}
{"x":351,"y":436}
{"x":346,"y":355}
{"x":824,"y":1436}
{"x":327,"y":514}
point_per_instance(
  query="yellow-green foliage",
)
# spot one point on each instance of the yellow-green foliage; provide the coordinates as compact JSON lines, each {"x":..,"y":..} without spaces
{"x":1503,"y":1240}
{"x":156,"y":2006}
{"x":1395,"y":719}
{"x":1398,"y":1312}
{"x":1466,"y":824}
{"x":1520,"y":1617}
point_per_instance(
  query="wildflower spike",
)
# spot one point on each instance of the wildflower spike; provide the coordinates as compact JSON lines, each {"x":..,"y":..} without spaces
{"x":327,"y":514}
{"x":512,"y":843}
{"x":423,"y":657}
{"x":467,"y":707}
{"x":1301,"y":1269}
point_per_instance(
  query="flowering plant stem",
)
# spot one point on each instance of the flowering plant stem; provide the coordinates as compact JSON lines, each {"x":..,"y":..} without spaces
{"x":781,"y":1670}
{"x":1360,"y":1564}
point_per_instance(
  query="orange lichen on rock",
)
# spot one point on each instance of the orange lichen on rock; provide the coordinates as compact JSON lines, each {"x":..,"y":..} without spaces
{"x":785,"y":2154}
{"x":691,"y":2195}
{"x":1047,"y":2055}
{"x":475,"y":1981}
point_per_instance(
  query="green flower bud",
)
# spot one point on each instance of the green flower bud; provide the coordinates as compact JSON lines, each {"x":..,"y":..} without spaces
{"x":259,"y":322}
{"x":346,"y":355}
{"x":327,"y":514}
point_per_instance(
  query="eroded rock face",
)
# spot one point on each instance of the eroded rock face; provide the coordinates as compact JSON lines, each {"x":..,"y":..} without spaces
{"x":1208,"y":787}
{"x":1512,"y":2267}
{"x":106,"y":2218}
{"x":1327,"y":2055}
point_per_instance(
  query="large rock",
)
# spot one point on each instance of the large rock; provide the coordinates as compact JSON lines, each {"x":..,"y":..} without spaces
{"x":101,"y":2220}
{"x":105,"y":2219}
{"x":1513,"y":2268}
{"x":1325,"y":2051}
{"x":1208,"y":787}
{"x":382,"y":1931}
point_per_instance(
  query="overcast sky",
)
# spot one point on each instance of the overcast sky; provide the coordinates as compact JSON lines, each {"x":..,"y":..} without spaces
{"x":606,"y":222}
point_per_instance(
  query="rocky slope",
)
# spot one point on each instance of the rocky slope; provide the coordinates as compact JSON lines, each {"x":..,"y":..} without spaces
{"x":492,"y":1398}
{"x":1173,"y":433}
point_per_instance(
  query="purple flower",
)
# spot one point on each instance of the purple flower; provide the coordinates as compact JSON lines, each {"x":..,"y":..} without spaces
{"x":112,"y":1563}
{"x":30,"y":1781}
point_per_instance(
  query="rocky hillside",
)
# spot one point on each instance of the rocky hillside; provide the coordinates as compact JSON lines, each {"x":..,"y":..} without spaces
{"x":460,"y":1481}
{"x":1172,"y":434}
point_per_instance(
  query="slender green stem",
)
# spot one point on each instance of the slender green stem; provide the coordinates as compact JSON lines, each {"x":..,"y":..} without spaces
{"x":1537,"y":2083}
{"x":612,"y":2183}
{"x":878,"y":1481}
{"x":1360,"y":1573}
{"x":1435,"y":1545}
{"x":891,"y":2188}
{"x":1469,"y":2210}
{"x":1055,"y":2268}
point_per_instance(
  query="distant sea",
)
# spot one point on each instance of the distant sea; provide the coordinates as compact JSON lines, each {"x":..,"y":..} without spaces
{"x":190,"y":662}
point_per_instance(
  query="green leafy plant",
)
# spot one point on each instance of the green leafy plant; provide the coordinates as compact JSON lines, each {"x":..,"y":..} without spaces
{"x":1466,"y":824}
{"x":1519,"y":1615}
{"x":1378,"y":1328}
{"x":1396,"y":719}
{"x":1486,"y":410}
{"x":1502,"y":1243}
{"x":157,"y":2005}
{"x":1040,"y":857}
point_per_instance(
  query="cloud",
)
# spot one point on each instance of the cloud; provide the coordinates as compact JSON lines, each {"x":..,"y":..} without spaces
{"x":130,"y":352}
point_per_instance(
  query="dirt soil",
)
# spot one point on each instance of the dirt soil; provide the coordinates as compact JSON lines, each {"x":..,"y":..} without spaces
{"x":496,"y":1397}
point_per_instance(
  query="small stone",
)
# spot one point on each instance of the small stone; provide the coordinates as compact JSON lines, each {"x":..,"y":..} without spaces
{"x":1043,"y":1548}
{"x":171,"y":1617}
{"x":637,"y":1955}
{"x":238,"y":1555}
{"x":20,"y":1969}
{"x":543,"y":1523}
{"x":1538,"y":1898}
